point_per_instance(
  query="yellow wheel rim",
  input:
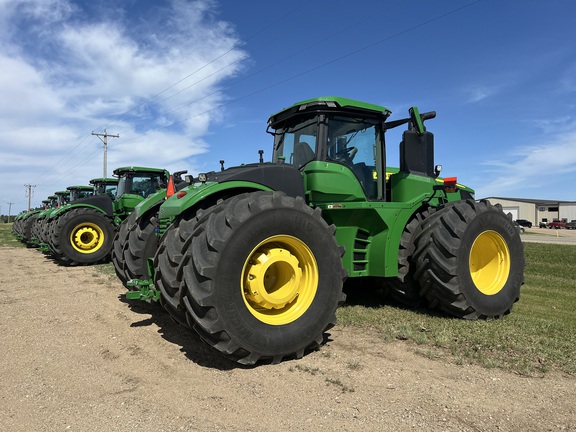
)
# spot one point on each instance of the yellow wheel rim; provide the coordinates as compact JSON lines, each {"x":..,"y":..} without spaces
{"x":279,"y":280}
{"x":489,"y":262}
{"x":87,"y":238}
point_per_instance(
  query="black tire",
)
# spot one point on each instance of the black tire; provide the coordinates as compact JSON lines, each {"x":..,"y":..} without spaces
{"x":36,"y":232}
{"x":470,"y":260}
{"x":83,"y":236}
{"x":27,"y":229}
{"x":52,"y":228}
{"x":117,"y":254}
{"x":16,"y":227}
{"x":167,"y":263}
{"x":405,"y":287}
{"x":42,"y":229}
{"x":47,"y":230}
{"x":238,"y":245}
{"x":142,"y":244}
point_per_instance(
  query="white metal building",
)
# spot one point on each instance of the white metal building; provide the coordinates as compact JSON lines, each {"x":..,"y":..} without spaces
{"x":536,"y":211}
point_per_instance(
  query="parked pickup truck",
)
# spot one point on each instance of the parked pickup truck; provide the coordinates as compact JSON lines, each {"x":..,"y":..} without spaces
{"x":557,"y":224}
{"x":571,"y":224}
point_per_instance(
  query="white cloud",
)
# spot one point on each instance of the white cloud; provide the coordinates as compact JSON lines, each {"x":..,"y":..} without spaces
{"x":73,"y":73}
{"x":534,"y":170}
{"x":476,"y":93}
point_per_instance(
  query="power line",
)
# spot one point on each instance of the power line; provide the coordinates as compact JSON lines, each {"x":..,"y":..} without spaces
{"x":236,"y":46}
{"x":118,"y":117}
{"x":283,"y":81}
{"x":298,"y":75}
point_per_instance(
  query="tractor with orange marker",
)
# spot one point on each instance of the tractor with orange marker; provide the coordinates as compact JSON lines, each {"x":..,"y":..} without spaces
{"x":136,"y":237}
{"x":83,"y":232}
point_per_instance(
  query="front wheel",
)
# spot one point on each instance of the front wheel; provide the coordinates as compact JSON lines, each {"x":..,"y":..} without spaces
{"x":262,"y":277}
{"x":470,"y":260}
{"x":83,"y":236}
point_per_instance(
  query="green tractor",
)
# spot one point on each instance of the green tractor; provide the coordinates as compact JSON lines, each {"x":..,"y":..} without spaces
{"x":61,"y":198}
{"x":99,"y":186}
{"x":23,"y":222}
{"x":41,"y":228}
{"x":254,"y":257}
{"x":136,"y":238}
{"x":83,"y":232}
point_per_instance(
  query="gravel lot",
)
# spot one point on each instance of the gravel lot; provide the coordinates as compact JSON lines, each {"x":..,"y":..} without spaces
{"x":77,"y":356}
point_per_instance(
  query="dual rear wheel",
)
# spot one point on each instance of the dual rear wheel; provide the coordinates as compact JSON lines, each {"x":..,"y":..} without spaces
{"x":259,"y":276}
{"x":466,"y":259}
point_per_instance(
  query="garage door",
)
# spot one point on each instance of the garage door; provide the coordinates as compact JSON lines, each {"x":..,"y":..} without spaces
{"x":512,"y":210}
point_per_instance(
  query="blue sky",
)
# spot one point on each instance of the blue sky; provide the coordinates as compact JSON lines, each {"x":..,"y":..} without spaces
{"x":187,"y":83}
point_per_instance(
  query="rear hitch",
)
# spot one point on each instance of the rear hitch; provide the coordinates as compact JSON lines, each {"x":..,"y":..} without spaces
{"x":146,"y":290}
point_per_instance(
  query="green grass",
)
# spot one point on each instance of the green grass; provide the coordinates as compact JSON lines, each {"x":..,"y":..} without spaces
{"x":538,"y":336}
{"x":7,"y":238}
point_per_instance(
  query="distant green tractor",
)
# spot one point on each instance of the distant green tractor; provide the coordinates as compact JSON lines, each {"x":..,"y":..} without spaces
{"x":43,"y":224}
{"x":31,"y":239}
{"x":254,"y":257}
{"x":41,"y":228}
{"x":23,"y":224}
{"x":83,"y":232}
{"x":22,"y":227}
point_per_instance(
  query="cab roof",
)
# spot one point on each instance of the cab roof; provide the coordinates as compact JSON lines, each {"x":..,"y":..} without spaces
{"x":86,"y":188}
{"x":330,"y":103}
{"x":109,"y":180}
{"x":124,"y":170}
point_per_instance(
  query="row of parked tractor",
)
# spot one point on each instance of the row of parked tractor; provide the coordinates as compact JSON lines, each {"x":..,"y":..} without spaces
{"x":78,"y":226}
{"x":254,"y":257}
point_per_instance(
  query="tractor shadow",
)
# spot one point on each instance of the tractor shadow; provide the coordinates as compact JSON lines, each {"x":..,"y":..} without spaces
{"x":364,"y":292}
{"x":372,"y":293}
{"x":190,"y":344}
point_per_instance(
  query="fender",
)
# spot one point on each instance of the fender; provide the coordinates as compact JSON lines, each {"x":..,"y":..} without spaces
{"x":252,"y":177}
{"x":102,"y":203}
{"x":150,"y":202}
{"x":179,"y":203}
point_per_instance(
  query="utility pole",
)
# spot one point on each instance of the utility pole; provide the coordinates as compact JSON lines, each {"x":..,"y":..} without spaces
{"x":105,"y":141}
{"x":29,"y":193}
{"x":9,"y":210}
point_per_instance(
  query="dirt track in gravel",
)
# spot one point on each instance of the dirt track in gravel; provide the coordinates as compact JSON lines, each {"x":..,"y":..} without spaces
{"x":76,"y":356}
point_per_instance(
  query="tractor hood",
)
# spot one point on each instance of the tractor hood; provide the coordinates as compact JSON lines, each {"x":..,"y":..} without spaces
{"x":251,"y":177}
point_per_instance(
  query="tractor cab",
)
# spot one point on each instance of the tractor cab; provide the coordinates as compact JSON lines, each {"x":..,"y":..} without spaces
{"x":105,"y":186}
{"x":337,"y":143}
{"x":62,"y":197}
{"x":136,"y":184}
{"x":79,"y":192}
{"x":339,"y":146}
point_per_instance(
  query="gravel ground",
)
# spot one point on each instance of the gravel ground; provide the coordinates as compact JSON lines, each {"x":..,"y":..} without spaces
{"x":77,"y":356}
